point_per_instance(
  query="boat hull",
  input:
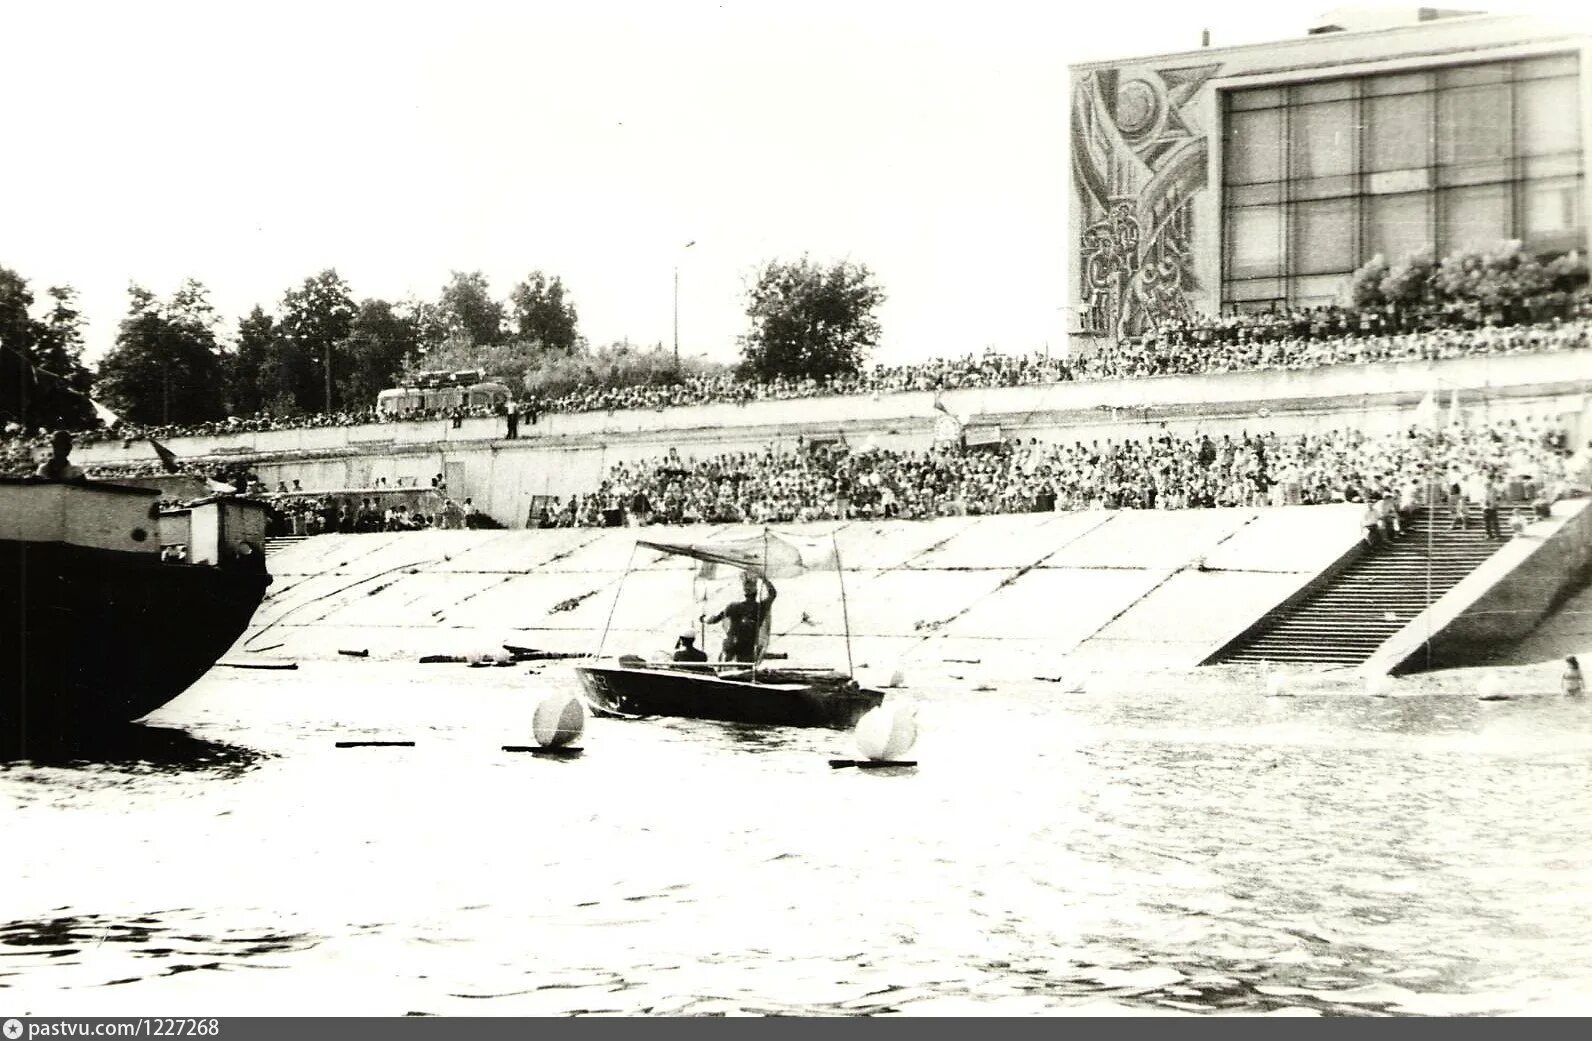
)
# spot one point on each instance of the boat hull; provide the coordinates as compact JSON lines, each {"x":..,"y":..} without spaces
{"x":94,"y":638}
{"x":628,"y":691}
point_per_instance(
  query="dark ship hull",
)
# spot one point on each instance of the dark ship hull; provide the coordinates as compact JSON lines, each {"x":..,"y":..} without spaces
{"x":93,"y":638}
{"x":793,"y":698}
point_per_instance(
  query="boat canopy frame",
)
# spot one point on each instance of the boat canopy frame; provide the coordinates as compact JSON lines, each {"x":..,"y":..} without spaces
{"x":772,"y":553}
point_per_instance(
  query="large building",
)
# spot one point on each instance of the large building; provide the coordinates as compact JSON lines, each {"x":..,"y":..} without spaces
{"x":1246,"y":178}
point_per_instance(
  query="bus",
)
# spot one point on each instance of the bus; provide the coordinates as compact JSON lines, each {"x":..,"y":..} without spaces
{"x":442,"y":392}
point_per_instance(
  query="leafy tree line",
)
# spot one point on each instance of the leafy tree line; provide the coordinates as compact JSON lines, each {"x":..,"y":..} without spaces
{"x":42,"y":376}
{"x":321,"y":350}
{"x":1509,"y":281}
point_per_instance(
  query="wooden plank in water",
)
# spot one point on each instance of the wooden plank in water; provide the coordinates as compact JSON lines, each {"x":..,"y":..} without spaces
{"x":871,"y":764}
{"x":375,"y":744}
{"x":546,"y":753}
{"x":533,"y":654}
{"x":285,"y":665}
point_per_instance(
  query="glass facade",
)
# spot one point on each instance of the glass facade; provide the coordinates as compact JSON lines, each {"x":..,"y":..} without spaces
{"x":1320,"y":177}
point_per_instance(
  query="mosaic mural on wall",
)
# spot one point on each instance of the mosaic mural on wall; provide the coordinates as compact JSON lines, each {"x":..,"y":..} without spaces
{"x":1138,"y":163}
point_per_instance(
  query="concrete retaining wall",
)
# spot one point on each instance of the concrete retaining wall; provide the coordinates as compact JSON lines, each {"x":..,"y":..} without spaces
{"x":1343,"y":383}
{"x":570,"y":454}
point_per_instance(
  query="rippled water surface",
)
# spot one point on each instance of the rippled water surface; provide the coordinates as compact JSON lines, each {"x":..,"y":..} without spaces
{"x":1162,"y":851}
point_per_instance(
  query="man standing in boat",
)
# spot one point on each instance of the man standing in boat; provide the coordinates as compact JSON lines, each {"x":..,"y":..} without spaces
{"x":746,"y":622}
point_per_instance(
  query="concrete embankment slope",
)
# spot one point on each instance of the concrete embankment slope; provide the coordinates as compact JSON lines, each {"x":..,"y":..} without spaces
{"x":1025,"y":593}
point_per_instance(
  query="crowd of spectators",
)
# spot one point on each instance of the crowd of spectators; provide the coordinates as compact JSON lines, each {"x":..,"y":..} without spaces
{"x":1514,"y":460}
{"x":19,"y":450}
{"x":1529,"y":460}
{"x":1282,"y":339}
{"x":347,"y":514}
{"x":1301,"y":339}
{"x":973,"y":370}
{"x":266,"y":421}
{"x":129,"y":432}
{"x":1332,"y":322}
{"x":1192,"y":351}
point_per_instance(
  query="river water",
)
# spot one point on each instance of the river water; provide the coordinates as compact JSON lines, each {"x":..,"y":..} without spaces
{"x":1163,"y":851}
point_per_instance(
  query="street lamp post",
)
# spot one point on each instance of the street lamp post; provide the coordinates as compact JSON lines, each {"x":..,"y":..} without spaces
{"x":683,"y":248}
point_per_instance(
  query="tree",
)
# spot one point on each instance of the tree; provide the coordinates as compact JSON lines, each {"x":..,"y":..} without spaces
{"x":1568,"y":272}
{"x":468,"y":310}
{"x":1408,"y":283}
{"x":166,"y":366}
{"x":316,"y":317}
{"x":1364,"y":287}
{"x":43,"y":383}
{"x":60,"y":352}
{"x":613,"y":366}
{"x":542,"y":315}
{"x":19,"y":333}
{"x":257,"y":342}
{"x":427,"y":320}
{"x":810,"y":321}
{"x":379,"y":342}
{"x":1495,"y":277}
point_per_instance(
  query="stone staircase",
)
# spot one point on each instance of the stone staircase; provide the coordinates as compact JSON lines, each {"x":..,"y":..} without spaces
{"x":281,"y":542}
{"x":1362,"y":606}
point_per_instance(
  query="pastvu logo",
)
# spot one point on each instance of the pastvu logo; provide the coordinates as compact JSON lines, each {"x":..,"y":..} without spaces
{"x":13,"y":1029}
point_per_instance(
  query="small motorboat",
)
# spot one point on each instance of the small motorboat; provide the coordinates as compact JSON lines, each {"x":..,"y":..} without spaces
{"x":631,"y":687}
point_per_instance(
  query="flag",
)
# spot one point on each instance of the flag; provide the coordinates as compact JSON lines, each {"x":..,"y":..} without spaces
{"x":167,"y":459}
{"x":940,"y":406}
{"x":1426,"y":411}
{"x":106,"y":416}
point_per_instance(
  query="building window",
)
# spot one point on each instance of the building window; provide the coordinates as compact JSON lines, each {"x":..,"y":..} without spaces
{"x":1320,"y":177}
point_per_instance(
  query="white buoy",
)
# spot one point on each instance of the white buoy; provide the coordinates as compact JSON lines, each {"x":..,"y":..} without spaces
{"x":558,"y":720}
{"x":888,"y":732}
{"x":1490,"y":686}
{"x":1378,"y":684}
{"x":1277,"y":684}
{"x":898,"y":678}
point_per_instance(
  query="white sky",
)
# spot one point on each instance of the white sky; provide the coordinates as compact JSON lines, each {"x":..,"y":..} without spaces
{"x":250,"y":146}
